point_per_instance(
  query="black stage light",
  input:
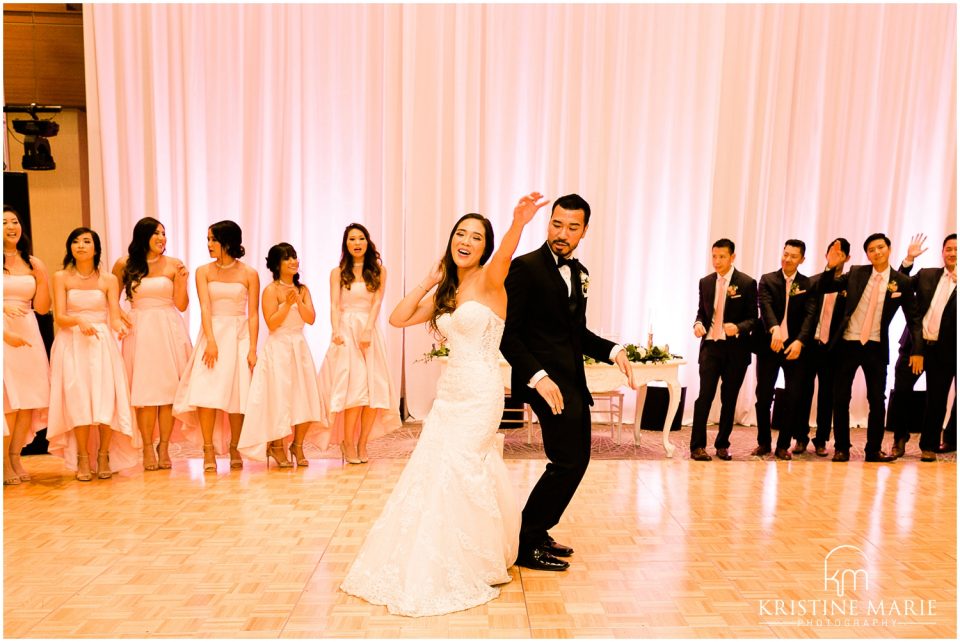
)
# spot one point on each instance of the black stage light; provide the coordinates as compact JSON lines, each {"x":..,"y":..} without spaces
{"x":36,"y":147}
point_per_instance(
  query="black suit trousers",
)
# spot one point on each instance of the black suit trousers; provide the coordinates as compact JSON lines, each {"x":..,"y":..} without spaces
{"x":872,"y":358}
{"x":941,"y":370}
{"x":566,"y":443}
{"x":719,"y":360}
{"x":821,"y":367}
{"x":769,"y":364}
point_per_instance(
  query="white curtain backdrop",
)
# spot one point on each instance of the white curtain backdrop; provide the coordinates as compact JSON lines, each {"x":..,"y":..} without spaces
{"x":679,"y":124}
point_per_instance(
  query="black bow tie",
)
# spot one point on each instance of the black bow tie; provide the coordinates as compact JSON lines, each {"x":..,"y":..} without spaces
{"x":561,"y":261}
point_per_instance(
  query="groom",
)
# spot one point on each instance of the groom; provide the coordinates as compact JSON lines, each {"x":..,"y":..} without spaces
{"x":544,"y":341}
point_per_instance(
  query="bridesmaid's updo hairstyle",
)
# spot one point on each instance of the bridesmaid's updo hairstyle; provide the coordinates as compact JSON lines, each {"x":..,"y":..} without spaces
{"x":371,"y":261}
{"x":277,"y":255}
{"x":136,"y":267}
{"x":69,"y":260}
{"x":230,"y":237}
{"x":445,"y":298}
{"x":23,"y":243}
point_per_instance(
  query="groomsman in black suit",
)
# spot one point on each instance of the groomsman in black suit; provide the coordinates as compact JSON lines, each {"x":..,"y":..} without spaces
{"x":873,"y":294}
{"x":544,"y":340}
{"x":787,"y":308}
{"x":726,"y":316}
{"x":821,"y":359}
{"x":936,"y":292}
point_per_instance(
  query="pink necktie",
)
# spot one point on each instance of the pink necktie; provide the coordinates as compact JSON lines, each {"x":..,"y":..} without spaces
{"x":826,"y":316}
{"x":867,"y":326}
{"x":936,"y":308}
{"x":786,"y":306}
{"x":718,"y":309}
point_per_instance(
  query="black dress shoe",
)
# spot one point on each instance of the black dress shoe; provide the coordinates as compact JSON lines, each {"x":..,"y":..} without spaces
{"x":899,"y":447}
{"x":724,"y":454}
{"x":760,"y":451}
{"x":928,"y":455}
{"x":700,"y":454}
{"x":801,"y":446}
{"x":782,"y":453}
{"x":540,"y":560}
{"x":947,"y":448}
{"x":841,"y":455}
{"x":551,"y":546}
{"x":880,"y":457}
{"x":821,"y":451}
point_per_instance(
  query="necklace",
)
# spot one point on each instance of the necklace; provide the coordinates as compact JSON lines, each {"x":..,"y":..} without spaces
{"x":152,"y":261}
{"x":14,"y":253}
{"x":84,"y":277}
{"x":226,"y":267}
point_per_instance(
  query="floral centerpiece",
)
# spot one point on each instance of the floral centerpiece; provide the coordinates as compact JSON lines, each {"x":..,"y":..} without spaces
{"x":639,"y":354}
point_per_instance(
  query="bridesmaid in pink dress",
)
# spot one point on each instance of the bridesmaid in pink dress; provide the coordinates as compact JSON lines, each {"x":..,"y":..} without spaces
{"x":157,"y":346}
{"x":354,"y":378}
{"x":88,"y":383}
{"x":26,"y":371}
{"x":283,"y":394}
{"x":218,"y":373}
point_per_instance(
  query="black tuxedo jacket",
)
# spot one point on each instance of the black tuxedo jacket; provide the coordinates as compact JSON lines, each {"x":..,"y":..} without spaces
{"x":740,"y":307}
{"x":851,"y":286}
{"x":836,"y":320}
{"x":544,"y":329}
{"x":925,"y":286}
{"x":801,"y":319}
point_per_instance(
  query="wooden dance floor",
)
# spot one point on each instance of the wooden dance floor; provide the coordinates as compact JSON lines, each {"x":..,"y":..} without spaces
{"x":664,"y":548}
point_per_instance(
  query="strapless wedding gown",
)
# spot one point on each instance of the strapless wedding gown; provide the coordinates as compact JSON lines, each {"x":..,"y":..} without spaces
{"x":450,"y":529}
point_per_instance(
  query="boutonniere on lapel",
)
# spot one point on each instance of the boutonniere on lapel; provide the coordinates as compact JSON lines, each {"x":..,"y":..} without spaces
{"x":732,"y":291}
{"x":584,"y":283}
{"x":843,"y":293}
{"x":892,"y":287}
{"x":795,"y":289}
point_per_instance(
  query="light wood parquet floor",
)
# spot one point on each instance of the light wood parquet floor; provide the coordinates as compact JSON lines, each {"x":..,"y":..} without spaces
{"x":667,"y":548}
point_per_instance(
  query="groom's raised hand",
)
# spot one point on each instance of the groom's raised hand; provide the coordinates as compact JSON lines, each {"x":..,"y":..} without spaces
{"x":551,"y":394}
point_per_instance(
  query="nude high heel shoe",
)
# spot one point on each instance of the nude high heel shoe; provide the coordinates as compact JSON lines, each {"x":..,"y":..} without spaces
{"x":296,"y":452}
{"x":83,"y":468}
{"x":103,"y":466}
{"x":281,"y":463}
{"x":209,"y":459}
{"x":163,"y":455}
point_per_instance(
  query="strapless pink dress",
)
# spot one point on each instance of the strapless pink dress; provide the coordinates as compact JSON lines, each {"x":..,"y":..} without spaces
{"x":351,"y":377}
{"x":157,"y":348}
{"x":283,"y":392}
{"x":224,"y":386}
{"x":89,"y":386}
{"x":26,"y":371}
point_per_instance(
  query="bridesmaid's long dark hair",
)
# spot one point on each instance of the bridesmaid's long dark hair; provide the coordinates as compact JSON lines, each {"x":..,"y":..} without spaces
{"x":69,"y":260}
{"x":371,"y":261}
{"x":23,"y":244}
{"x":137,"y":267}
{"x":445,"y":298}
{"x":278,"y":254}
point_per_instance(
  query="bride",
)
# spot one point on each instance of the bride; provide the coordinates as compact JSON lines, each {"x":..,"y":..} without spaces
{"x":450,"y":529}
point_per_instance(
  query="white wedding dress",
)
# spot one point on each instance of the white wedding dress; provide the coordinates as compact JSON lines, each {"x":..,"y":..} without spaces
{"x":450,"y":529}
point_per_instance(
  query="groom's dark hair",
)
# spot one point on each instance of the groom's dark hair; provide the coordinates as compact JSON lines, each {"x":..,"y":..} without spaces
{"x":573,"y":202}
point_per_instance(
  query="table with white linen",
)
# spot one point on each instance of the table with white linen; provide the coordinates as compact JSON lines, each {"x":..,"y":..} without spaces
{"x":603,"y":377}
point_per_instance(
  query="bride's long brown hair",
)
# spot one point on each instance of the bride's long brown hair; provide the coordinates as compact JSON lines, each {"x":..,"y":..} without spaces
{"x":445,"y":298}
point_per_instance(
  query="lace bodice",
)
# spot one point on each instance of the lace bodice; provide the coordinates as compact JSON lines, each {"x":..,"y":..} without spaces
{"x":473,"y":334}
